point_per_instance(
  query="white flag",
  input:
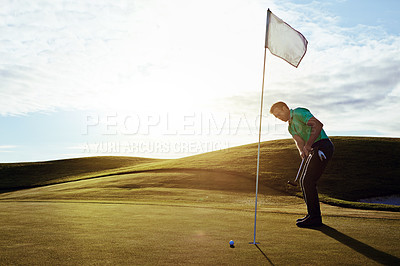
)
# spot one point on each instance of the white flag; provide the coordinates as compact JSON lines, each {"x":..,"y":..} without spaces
{"x":284,"y":41}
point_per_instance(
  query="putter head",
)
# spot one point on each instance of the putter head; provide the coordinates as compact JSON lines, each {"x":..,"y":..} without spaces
{"x":292,"y":183}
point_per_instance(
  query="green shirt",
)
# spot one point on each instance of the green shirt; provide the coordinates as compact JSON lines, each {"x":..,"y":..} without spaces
{"x":298,"y":124}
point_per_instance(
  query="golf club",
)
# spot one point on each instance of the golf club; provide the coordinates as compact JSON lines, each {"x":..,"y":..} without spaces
{"x":298,"y":172}
{"x":303,"y":167}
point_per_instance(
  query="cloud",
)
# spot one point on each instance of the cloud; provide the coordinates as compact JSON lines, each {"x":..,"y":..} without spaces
{"x":7,"y":148}
{"x":193,"y":55}
{"x":348,"y":78}
{"x":140,"y":55}
{"x":55,"y":54}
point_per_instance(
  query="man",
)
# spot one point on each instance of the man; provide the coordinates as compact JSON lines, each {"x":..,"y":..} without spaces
{"x":311,"y":140}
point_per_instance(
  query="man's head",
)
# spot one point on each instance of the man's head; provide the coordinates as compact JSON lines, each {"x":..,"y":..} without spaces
{"x":281,"y":111}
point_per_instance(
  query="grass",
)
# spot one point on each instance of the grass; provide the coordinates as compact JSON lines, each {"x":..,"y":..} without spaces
{"x":16,"y":176}
{"x":129,"y":233}
{"x":360,"y":168}
{"x":137,"y":211}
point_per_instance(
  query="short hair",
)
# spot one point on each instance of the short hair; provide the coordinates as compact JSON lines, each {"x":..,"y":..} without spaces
{"x":279,"y":105}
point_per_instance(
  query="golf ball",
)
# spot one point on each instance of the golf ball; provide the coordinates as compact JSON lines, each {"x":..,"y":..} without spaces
{"x":231,"y":243}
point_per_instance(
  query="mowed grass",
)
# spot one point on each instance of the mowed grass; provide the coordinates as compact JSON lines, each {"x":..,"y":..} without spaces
{"x":137,"y":211}
{"x":15,"y":176}
{"x":105,"y":233}
{"x":360,"y":168}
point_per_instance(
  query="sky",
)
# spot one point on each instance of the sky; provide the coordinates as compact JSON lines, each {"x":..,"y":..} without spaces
{"x":168,"y":79}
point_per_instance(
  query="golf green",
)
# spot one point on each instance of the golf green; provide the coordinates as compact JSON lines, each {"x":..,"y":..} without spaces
{"x":160,"y":232}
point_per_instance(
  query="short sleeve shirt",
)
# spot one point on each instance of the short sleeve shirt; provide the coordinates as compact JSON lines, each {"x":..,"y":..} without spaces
{"x":299,"y":118}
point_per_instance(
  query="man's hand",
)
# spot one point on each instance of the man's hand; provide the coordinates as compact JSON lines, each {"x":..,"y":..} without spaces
{"x":306,"y":151}
{"x":300,"y":145}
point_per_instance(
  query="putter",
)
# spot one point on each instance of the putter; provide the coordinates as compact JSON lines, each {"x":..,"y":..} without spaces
{"x":298,"y":172}
{"x":302,"y":170}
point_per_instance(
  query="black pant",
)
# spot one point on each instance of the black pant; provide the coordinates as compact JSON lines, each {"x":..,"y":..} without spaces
{"x":316,"y":167}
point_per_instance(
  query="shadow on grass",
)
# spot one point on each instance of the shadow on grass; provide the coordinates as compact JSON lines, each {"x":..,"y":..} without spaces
{"x":262,"y":252}
{"x":362,"y":248}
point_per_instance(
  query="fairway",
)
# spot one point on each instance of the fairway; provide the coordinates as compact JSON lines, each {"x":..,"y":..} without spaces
{"x":160,"y":232}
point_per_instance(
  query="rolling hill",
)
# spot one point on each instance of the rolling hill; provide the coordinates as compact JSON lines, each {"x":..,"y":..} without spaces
{"x":361,"y":167}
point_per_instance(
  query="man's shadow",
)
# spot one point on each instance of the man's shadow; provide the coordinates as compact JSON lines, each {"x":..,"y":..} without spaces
{"x":362,"y":248}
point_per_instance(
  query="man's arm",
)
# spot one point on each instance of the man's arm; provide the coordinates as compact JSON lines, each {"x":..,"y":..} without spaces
{"x":316,"y":127}
{"x":300,"y":145}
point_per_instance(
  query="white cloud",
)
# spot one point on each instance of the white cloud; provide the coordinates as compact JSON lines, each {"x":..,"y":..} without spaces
{"x":348,"y":78}
{"x":115,"y":54}
{"x":7,"y":148}
{"x":183,"y":55}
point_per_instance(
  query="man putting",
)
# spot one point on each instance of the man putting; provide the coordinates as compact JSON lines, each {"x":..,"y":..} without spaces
{"x":315,"y":149}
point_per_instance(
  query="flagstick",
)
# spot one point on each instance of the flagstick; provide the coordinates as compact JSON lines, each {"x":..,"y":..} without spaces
{"x":259,"y":129}
{"x":258,"y":154}
{"x":303,"y":43}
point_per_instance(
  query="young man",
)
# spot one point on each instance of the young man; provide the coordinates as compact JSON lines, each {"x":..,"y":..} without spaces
{"x":315,"y":148}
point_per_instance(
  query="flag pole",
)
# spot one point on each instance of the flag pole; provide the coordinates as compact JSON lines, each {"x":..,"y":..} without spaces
{"x":259,"y":133}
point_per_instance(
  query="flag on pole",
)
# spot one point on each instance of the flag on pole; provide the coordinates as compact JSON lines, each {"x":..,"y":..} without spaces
{"x":284,"y":41}
{"x":290,"y":45}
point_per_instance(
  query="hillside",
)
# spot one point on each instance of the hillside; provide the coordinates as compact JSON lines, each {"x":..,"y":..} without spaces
{"x":14,"y":176}
{"x":361,"y":168}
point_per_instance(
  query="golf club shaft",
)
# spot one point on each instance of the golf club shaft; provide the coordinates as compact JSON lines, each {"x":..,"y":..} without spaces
{"x":305,"y":167}
{"x":300,"y":168}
